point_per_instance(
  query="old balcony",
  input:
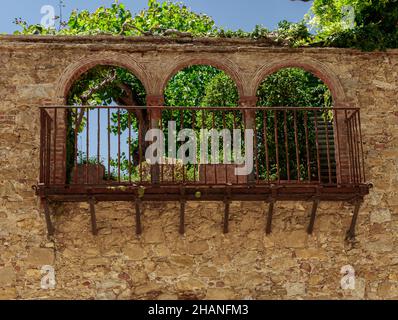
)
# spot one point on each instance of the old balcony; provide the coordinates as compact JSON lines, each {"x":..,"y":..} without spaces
{"x":99,"y":154}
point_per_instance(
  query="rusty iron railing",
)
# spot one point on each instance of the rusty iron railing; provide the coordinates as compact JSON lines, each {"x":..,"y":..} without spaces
{"x":106,"y":145}
{"x":98,"y":154}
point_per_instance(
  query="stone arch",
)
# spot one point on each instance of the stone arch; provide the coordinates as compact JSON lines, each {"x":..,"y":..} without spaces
{"x":317,"y":68}
{"x":76,"y":69}
{"x":226,"y":65}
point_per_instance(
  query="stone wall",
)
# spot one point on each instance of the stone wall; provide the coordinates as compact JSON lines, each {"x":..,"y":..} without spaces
{"x":204,"y":263}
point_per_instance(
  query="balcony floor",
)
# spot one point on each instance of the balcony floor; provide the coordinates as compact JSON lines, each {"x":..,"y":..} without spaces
{"x":198,"y":192}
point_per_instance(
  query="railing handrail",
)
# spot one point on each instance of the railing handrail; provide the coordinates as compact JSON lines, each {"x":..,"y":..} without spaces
{"x":201,"y":108}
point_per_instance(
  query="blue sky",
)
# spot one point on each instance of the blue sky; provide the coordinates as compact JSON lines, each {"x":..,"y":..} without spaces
{"x":231,"y":14}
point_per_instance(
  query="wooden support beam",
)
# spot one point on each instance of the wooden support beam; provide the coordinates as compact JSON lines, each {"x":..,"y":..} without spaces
{"x":313,"y":216}
{"x":94,"y":228}
{"x":351,"y":232}
{"x":47,"y":215}
{"x":138,"y":227}
{"x":268,"y":228}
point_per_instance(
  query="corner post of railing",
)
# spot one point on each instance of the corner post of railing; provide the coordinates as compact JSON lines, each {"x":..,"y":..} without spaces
{"x":247,"y":105}
{"x":342,"y":145}
{"x":155,"y":104}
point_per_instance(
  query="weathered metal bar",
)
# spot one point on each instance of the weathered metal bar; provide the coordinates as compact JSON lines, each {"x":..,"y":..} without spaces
{"x":93,"y":216}
{"x":42,"y":147}
{"x":118,"y":146}
{"x":55,"y":145}
{"x":277,"y":146}
{"x":109,"y":144}
{"x":47,"y":215}
{"x":328,"y":149}
{"x":98,"y":144}
{"x":140,"y":157}
{"x":350,"y":167}
{"x":315,"y":204}
{"x":224,"y":160}
{"x":307,"y":145}
{"x":339,"y":146}
{"x":129,"y":142}
{"x":256,"y":148}
{"x":193,"y":128}
{"x":351,"y":231}
{"x":87,"y":146}
{"x":48,"y":145}
{"x":286,"y":144}
{"x":297,"y":145}
{"x":361,"y":142}
{"x":182,"y":128}
{"x":265,"y":134}
{"x":317,"y":147}
{"x":357,"y":147}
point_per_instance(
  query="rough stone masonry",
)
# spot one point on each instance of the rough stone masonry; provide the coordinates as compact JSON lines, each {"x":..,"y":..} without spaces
{"x":204,"y":263}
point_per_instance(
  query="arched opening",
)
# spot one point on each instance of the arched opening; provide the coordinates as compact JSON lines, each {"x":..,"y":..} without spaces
{"x":209,"y":93}
{"x":296,"y":133}
{"x":106,"y":126}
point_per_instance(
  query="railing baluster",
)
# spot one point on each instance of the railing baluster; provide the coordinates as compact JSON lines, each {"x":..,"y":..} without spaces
{"x":140,"y":142}
{"x":328,"y":147}
{"x":193,"y":128}
{"x":76,"y":171}
{"x":277,"y":146}
{"x":362,"y":153}
{"x":42,"y":145}
{"x":109,"y":144}
{"x":55,"y":146}
{"x":357,"y":148}
{"x":129,"y":142}
{"x":164,"y":159}
{"x":337,"y":147}
{"x":256,"y":148}
{"x":234,"y":127}
{"x":48,"y":160}
{"x":317,"y":146}
{"x":297,"y":145}
{"x":181,"y":128}
{"x":87,"y":146}
{"x":224,"y":154}
{"x":307,"y":145}
{"x":118,"y":146}
{"x":265,"y":129}
{"x":350,"y":162}
{"x":98,"y":144}
{"x":286,"y":144}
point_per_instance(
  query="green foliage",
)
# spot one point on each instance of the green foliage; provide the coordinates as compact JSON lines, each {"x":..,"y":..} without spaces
{"x":375,"y":25}
{"x":117,"y":20}
{"x":293,"y":87}
{"x":201,"y":85}
{"x":93,"y":89}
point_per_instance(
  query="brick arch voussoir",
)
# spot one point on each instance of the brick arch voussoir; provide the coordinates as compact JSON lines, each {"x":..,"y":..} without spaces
{"x":76,"y":69}
{"x":317,"y":68}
